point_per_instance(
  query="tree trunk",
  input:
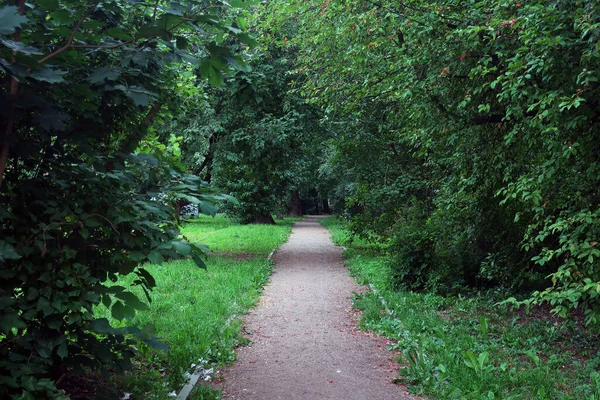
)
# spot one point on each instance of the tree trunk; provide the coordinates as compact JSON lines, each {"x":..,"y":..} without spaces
{"x":208,"y":159}
{"x":295,"y":208}
{"x":325,"y":204}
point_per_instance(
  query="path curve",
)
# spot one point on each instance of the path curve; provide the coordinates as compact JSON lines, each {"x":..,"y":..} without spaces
{"x":305,"y":342}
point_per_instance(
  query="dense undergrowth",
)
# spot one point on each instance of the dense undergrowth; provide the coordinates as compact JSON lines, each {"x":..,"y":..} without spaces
{"x":196,"y":312}
{"x":469,"y":347}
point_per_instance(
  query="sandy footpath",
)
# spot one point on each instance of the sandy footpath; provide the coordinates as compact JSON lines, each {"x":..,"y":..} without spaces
{"x":305,"y":340}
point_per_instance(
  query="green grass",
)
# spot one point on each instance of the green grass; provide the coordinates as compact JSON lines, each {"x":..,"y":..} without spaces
{"x":222,"y":235}
{"x":196,"y":312}
{"x":469,"y":348}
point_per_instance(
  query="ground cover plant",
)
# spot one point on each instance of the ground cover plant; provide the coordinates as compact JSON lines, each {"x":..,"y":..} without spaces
{"x":470,"y":347}
{"x":197,"y":312}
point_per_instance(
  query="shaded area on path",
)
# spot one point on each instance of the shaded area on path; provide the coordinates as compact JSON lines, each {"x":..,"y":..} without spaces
{"x":305,"y":340}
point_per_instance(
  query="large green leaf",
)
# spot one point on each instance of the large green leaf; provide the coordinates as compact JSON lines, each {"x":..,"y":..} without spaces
{"x":20,"y":47}
{"x":49,"y":75}
{"x":131,"y":300}
{"x":209,"y":72}
{"x":103,"y":74}
{"x":10,"y":19}
{"x":181,"y":247}
{"x":198,"y":261}
{"x":120,"y":311}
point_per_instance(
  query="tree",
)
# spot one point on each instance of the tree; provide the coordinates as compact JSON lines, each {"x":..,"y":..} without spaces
{"x":82,"y":84}
{"x":482,"y":119}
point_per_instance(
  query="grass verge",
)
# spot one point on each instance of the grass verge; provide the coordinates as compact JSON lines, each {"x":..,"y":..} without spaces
{"x":467,"y":347}
{"x":197,"y":312}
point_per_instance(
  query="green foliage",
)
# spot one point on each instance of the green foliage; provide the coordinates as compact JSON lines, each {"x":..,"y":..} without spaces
{"x":263,"y":148}
{"x":83,"y":203}
{"x":470,"y":132}
{"x":466,"y":347}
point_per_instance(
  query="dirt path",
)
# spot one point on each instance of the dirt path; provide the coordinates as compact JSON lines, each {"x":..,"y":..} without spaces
{"x":305,"y":342}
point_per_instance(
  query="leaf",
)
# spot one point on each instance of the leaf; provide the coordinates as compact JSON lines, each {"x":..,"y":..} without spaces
{"x":7,"y":252}
{"x":10,"y":320}
{"x":131,"y":300}
{"x":209,"y":72}
{"x":156,"y":258}
{"x":188,"y":58}
{"x":147,"y":276}
{"x":101,"y":325}
{"x":103,"y":74}
{"x":20,"y":47}
{"x":238,"y":64}
{"x":106,"y":300}
{"x":249,"y":40}
{"x":48,"y":75}
{"x":154,"y":343}
{"x":199,"y":262}
{"x":62,"y":351}
{"x":199,"y":247}
{"x":136,"y":256}
{"x":10,"y":19}
{"x":208,"y":208}
{"x":139,"y":95}
{"x":181,"y":247}
{"x":120,"y":311}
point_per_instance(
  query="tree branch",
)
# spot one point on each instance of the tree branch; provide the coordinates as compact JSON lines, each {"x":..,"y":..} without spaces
{"x":73,"y":32}
{"x":70,"y":45}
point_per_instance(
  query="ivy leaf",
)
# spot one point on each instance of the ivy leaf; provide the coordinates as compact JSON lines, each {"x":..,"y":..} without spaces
{"x":10,"y":19}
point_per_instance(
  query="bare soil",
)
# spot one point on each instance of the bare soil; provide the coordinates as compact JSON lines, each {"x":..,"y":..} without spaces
{"x":305,"y":343}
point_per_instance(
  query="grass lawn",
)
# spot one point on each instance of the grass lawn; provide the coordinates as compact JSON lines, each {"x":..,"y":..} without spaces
{"x":197,"y":312}
{"x":467,"y":347}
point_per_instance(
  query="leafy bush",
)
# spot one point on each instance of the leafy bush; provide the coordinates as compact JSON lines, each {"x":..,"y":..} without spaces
{"x":86,"y":227}
{"x":81,"y":84}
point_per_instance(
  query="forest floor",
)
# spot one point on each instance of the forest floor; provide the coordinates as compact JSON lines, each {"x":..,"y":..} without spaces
{"x":304,"y":336}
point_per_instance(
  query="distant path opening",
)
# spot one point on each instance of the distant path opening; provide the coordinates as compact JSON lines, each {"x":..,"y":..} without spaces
{"x":305,"y":340}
